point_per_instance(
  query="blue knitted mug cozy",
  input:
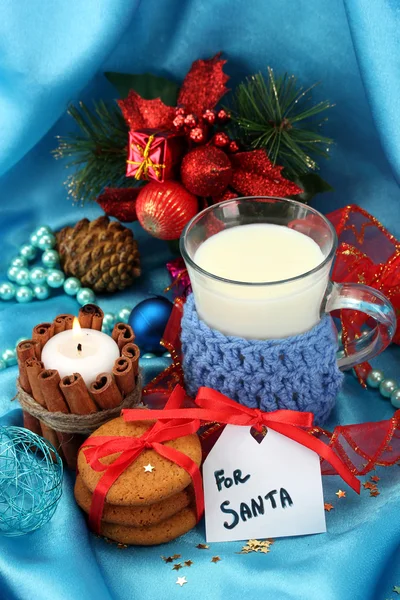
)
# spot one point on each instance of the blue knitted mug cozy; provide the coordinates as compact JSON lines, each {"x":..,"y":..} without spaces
{"x":296,"y":373}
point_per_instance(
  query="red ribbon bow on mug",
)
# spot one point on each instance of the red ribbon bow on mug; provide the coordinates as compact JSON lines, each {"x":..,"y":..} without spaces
{"x":164,"y":430}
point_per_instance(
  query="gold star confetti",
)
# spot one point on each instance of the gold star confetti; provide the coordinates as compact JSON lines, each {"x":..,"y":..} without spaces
{"x":374,"y":493}
{"x":168,"y":559}
{"x":375,"y":478}
{"x":177,"y":567}
{"x":369,"y":486}
{"x":188,"y":563}
{"x":148,"y":468}
{"x":328,"y":507}
{"x":176,"y":556}
{"x":396,"y":589}
{"x":215,"y":559}
{"x":202,"y":546}
{"x":181,"y":581}
{"x":341,"y":494}
{"x":257,"y":546}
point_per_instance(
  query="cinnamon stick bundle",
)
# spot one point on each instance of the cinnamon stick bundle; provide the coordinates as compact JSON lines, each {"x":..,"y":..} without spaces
{"x":42,"y":333}
{"x":63,"y":323}
{"x":124,"y":377}
{"x":122,"y":334}
{"x":105,"y":391}
{"x":91,"y":317}
{"x":132,"y":353}
{"x":77,"y":396}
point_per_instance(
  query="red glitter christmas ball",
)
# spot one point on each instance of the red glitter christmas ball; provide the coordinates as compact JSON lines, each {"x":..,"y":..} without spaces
{"x":221,"y":140}
{"x":190,"y":121}
{"x":206,"y":171}
{"x":209,"y":116}
{"x":163,"y":209}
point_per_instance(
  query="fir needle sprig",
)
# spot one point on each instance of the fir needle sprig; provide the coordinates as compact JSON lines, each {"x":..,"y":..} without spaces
{"x":278,"y":115}
{"x":98,"y":150}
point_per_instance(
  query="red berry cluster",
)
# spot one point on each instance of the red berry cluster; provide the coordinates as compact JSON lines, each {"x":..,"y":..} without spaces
{"x":198,"y":130}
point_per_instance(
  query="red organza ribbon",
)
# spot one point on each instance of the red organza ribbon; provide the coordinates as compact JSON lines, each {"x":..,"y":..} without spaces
{"x":129,"y":448}
{"x":214,"y":406}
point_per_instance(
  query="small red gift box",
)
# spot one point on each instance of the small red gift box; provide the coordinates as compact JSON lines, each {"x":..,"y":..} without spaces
{"x":153,"y":154}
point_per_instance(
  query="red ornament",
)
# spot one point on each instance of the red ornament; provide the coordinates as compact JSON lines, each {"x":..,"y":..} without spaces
{"x":190,"y":121}
{"x":221,"y":140}
{"x":180,"y":111}
{"x":179,"y":121}
{"x":233,"y":146}
{"x":197,"y":134}
{"x":163,"y":209}
{"x":223,"y":116}
{"x":206,"y":171}
{"x":209,"y":116}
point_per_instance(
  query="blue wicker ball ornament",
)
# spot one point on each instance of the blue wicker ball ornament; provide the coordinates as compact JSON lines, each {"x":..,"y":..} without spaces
{"x":148,"y":320}
{"x":31,"y":475}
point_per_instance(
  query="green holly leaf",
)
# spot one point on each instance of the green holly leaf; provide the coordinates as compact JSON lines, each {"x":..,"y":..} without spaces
{"x":147,"y":85}
{"x":312,"y":184}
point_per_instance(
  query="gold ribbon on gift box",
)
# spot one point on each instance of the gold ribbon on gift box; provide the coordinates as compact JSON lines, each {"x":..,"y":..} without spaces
{"x":147,"y":163}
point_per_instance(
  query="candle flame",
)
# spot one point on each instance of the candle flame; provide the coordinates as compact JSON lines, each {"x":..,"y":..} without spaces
{"x":76,"y":328}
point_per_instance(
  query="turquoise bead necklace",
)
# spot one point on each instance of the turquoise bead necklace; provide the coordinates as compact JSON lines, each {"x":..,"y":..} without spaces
{"x":25,"y":284}
{"x":389,"y":388}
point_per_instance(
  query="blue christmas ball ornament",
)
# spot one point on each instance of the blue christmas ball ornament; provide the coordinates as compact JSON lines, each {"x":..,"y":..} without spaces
{"x":148,"y":320}
{"x":31,"y":475}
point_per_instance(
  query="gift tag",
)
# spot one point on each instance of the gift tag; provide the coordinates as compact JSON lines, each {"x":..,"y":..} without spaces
{"x":259,"y":490}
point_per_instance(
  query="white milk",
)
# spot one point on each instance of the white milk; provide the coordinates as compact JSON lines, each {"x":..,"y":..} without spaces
{"x":259,"y":253}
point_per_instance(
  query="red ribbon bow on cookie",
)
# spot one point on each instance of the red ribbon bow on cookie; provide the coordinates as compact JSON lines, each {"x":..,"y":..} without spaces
{"x":164,"y":430}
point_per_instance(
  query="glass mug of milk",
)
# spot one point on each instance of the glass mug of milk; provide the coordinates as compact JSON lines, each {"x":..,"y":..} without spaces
{"x":259,"y":269}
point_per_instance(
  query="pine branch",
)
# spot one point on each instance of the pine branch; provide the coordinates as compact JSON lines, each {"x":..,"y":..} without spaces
{"x":278,"y":115}
{"x":98,"y":150}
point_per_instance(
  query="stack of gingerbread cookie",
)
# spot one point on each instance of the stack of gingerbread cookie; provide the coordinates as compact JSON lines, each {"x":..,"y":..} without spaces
{"x":151,"y":502}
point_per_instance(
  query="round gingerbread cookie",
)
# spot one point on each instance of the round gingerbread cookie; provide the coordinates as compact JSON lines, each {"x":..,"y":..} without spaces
{"x":134,"y":516}
{"x":164,"y":532}
{"x":150,"y":478}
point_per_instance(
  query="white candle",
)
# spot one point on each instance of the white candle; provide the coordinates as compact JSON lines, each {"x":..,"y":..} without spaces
{"x":85,"y":351}
{"x":259,"y":253}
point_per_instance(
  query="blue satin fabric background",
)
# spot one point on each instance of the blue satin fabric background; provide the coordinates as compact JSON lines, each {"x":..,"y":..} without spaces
{"x":53,"y":53}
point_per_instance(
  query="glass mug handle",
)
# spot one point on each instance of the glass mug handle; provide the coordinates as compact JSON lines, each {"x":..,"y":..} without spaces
{"x":356,"y":296}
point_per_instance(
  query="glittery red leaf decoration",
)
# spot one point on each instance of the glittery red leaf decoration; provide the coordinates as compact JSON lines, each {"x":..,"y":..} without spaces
{"x":203,"y":86}
{"x":142,"y":114}
{"x":119,"y":203}
{"x":255,"y":175}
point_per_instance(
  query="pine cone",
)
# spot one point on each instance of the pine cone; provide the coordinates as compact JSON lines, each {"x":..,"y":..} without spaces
{"x":103,"y":255}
